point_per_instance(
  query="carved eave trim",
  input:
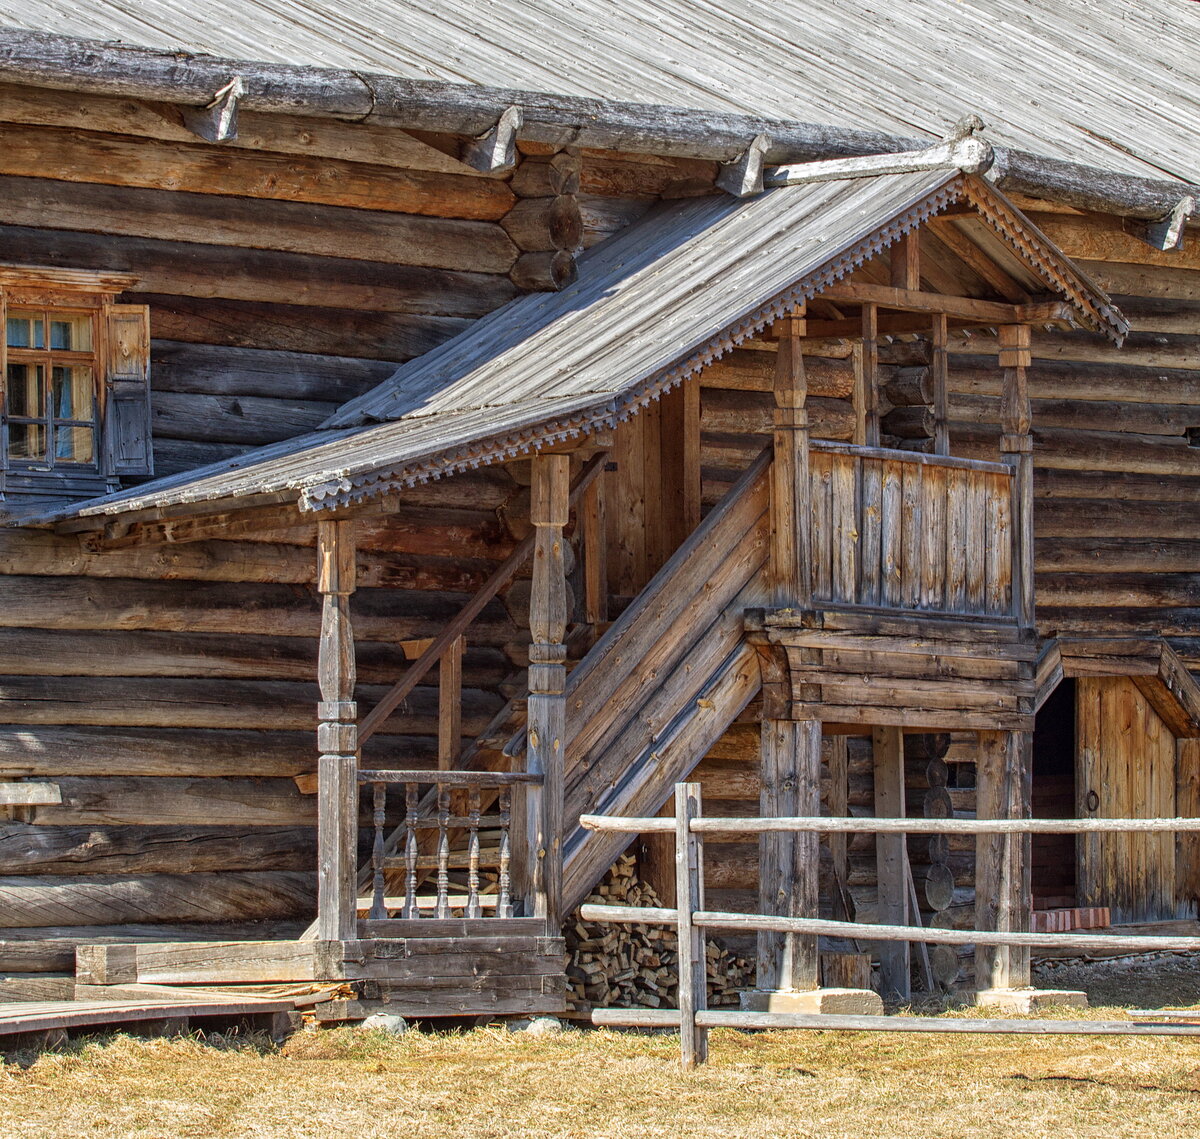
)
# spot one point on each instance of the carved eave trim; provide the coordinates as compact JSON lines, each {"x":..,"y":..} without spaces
{"x":1045,"y":258}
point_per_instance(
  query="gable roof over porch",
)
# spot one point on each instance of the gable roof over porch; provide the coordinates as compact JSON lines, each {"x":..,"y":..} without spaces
{"x":652,"y":306}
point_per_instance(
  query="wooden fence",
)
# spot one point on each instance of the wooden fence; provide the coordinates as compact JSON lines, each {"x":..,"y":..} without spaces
{"x":901,"y":530}
{"x":691,"y":919}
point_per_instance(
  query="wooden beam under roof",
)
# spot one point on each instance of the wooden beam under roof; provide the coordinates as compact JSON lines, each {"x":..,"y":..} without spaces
{"x":964,"y":308}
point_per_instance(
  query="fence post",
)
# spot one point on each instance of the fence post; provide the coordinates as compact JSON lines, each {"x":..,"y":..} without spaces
{"x":689,"y":897}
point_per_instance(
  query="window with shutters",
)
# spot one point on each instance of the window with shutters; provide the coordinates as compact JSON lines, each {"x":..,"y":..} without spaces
{"x":76,"y":387}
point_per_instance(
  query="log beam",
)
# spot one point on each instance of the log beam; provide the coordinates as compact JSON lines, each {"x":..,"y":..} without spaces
{"x":1016,"y":447}
{"x":337,"y":736}
{"x":887,"y":746}
{"x":791,"y":491}
{"x":547,"y":715}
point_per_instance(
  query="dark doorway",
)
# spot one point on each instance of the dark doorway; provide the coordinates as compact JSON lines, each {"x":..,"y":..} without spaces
{"x":1053,"y":876}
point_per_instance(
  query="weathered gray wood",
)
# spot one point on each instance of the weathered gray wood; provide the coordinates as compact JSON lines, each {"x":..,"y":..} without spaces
{"x":829,"y":1022}
{"x":887,"y":747}
{"x":29,"y":794}
{"x":292,"y":227}
{"x":108,"y":899}
{"x":153,"y":849}
{"x":49,"y":1016}
{"x":337,"y":737}
{"x":265,"y":276}
{"x":791,"y":488}
{"x":556,"y":120}
{"x":689,"y":890}
{"x":791,"y":766}
{"x":547,"y":715}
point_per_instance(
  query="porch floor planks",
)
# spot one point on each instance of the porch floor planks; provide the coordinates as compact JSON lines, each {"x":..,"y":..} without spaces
{"x":17,"y":1017}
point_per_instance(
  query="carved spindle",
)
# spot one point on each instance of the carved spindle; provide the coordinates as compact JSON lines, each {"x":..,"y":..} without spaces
{"x":473,"y":908}
{"x":411,"y":805}
{"x":443,"y":853}
{"x":378,"y":903}
{"x":504,"y":907}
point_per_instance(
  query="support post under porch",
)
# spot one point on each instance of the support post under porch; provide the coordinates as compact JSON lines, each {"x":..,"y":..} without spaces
{"x":337,"y":738}
{"x":547,"y":716}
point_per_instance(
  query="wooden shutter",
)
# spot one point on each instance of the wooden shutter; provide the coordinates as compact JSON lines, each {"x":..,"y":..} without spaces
{"x":127,"y":446}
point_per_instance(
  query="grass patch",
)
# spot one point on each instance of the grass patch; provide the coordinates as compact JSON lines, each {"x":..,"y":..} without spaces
{"x":488,"y":1082}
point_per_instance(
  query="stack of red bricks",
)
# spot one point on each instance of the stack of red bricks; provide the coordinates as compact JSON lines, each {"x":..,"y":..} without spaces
{"x":1062,"y":920}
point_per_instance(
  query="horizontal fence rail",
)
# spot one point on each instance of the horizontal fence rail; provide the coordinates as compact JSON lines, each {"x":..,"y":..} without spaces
{"x":850,"y":825}
{"x":690,"y":918}
{"x":459,"y":799}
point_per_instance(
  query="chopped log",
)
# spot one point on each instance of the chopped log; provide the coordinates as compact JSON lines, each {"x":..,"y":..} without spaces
{"x":540,"y":224}
{"x":546,"y":272}
{"x":749,"y":370}
{"x":602,"y":216}
{"x":916,"y":422}
{"x":547,"y":178}
{"x":909,"y":387}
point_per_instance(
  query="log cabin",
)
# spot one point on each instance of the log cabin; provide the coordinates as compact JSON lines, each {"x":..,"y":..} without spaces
{"x":414,"y":440}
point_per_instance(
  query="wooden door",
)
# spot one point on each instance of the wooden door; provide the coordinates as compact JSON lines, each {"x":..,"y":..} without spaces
{"x":1125,"y":768}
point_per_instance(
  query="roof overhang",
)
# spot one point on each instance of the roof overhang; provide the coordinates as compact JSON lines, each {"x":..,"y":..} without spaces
{"x":653,"y":306}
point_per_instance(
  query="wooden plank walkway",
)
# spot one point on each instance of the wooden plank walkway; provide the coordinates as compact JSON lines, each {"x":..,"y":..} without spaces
{"x":42,"y":1016}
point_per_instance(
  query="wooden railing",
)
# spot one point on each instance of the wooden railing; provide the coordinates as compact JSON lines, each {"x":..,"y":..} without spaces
{"x":903,"y":530}
{"x":691,"y":920}
{"x":444,"y":835}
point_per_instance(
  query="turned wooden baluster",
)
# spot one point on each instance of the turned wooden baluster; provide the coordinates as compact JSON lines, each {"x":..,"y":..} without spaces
{"x":473,"y":907}
{"x":504,"y":906}
{"x":411,"y":806}
{"x":443,"y":853}
{"x":378,"y":903}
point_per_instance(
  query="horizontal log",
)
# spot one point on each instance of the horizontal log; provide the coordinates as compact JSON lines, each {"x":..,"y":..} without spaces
{"x":108,"y":899}
{"x":547,"y":177}
{"x":624,"y":175}
{"x":1140,"y":349}
{"x":179,"y":456}
{"x":820,"y":824}
{"x":154,"y":849}
{"x":239,"y":419}
{"x":1117,"y":591}
{"x":223,"y":371}
{"x":189,"y":269}
{"x":555,"y":120}
{"x":1099,"y":237}
{"x":206,"y":801}
{"x":1159,"y":314}
{"x":1120,"y":486}
{"x":916,"y":422}
{"x":546,"y":272}
{"x":283,"y":133}
{"x":1095,"y":415}
{"x":1114,"y":380}
{"x":1118,"y":555}
{"x":249,"y":223}
{"x":267,"y":704}
{"x":1099,"y":518}
{"x":1088,"y":450}
{"x":752,"y":412}
{"x":297,"y":328}
{"x":49,"y":750}
{"x":52,"y":948}
{"x":85,"y":156}
{"x":1144,"y":280}
{"x":908,"y":387}
{"x":603,"y":216}
{"x":749,"y":370}
{"x":218,"y":607}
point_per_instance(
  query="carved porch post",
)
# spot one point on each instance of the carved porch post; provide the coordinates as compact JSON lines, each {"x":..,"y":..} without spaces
{"x":547,"y":721}
{"x":337,"y":738}
{"x":1016,"y":448}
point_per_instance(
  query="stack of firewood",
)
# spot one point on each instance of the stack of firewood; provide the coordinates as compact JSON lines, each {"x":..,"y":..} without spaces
{"x":623,"y":966}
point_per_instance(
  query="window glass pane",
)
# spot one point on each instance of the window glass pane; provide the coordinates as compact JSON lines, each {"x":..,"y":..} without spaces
{"x":71,"y":333}
{"x":26,"y":390}
{"x":26,"y":330}
{"x":72,"y":391}
{"x":27,"y":440}
{"x":74,"y":445}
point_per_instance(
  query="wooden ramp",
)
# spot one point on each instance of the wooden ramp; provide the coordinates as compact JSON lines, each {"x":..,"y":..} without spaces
{"x":21,"y":1017}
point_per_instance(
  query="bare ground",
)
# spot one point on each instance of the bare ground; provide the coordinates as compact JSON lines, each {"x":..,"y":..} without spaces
{"x":488,"y":1082}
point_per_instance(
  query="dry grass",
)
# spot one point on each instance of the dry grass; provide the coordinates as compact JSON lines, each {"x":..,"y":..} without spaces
{"x":491,"y":1083}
